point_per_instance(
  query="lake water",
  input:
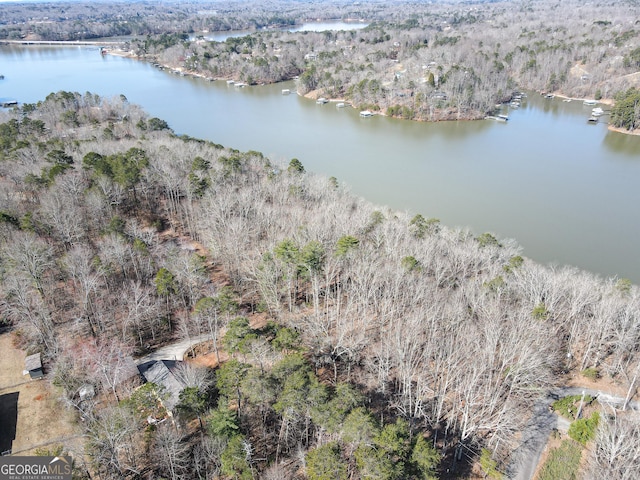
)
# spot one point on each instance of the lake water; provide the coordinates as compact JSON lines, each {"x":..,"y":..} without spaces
{"x":567,"y":191}
{"x":305,"y":27}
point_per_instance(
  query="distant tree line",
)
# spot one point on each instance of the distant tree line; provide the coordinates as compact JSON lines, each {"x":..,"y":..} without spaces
{"x":77,"y":20}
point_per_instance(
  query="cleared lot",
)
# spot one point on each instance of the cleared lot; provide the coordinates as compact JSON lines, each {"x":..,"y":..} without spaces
{"x":29,"y":409}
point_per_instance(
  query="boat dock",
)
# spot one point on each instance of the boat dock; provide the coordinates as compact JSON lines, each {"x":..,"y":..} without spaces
{"x":497,"y":118}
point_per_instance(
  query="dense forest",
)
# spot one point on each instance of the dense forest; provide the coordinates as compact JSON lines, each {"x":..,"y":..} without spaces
{"x":345,"y":340}
{"x":78,"y":20}
{"x":350,"y":341}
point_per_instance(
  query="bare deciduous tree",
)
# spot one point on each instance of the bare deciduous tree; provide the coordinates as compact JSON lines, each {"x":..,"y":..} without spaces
{"x":616,"y":453}
{"x":171,"y":453}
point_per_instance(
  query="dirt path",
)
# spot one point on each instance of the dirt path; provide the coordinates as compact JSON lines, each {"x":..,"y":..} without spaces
{"x":174,"y":351}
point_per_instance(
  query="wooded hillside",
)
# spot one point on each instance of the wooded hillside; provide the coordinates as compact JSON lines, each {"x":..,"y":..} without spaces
{"x":361,"y":342}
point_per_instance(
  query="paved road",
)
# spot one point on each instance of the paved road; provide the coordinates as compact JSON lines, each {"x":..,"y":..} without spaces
{"x":526,"y":457}
{"x":174,"y":351}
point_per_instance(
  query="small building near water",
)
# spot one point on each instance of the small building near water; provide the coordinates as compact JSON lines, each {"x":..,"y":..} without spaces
{"x":33,"y":366}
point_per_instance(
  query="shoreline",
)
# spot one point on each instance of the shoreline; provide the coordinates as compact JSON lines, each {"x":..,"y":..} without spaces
{"x":315,"y":94}
{"x":605,"y":101}
{"x":635,"y":132}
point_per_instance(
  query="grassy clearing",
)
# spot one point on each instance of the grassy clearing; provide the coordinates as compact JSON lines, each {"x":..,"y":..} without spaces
{"x":563,"y":462}
{"x":568,"y":406}
{"x":584,"y":429}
